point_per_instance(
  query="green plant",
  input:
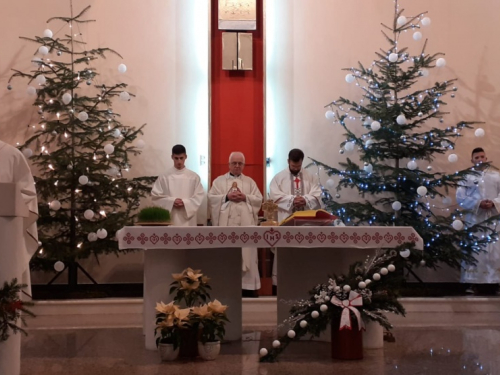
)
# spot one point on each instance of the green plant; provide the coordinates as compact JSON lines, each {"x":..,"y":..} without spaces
{"x":170,"y":319}
{"x":11,"y":308}
{"x":190,"y":287}
{"x":211,"y":320}
{"x":153,"y":215}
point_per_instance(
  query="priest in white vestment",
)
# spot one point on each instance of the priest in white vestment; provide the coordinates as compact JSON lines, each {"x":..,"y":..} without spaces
{"x":293,"y":189}
{"x":235,"y":200}
{"x":179,"y":190}
{"x":18,"y":237}
{"x":481,"y":195}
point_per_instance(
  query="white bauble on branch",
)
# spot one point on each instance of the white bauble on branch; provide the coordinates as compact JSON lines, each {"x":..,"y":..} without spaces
{"x":330,"y":183}
{"x":417,"y":35}
{"x":124,"y":96}
{"x":55,"y":205}
{"x":412,"y":165}
{"x":59,"y":266}
{"x":122,"y":68}
{"x":47,"y":33}
{"x":109,"y":149}
{"x":368,"y":143}
{"x":323,"y":308}
{"x":116,"y":133}
{"x":83,"y":180}
{"x":401,"y":20}
{"x":361,"y":285}
{"x":28,"y":153}
{"x":291,"y":334}
{"x":376,"y":276}
{"x":346,"y":288}
{"x":441,"y":62}
{"x":31,"y":91}
{"x":426,"y":21}
{"x":83,"y":116}
{"x":36,"y":61}
{"x":349,"y":78}
{"x":479,"y":132}
{"x":66,"y":98}
{"x":102,"y":233}
{"x":405,"y":253}
{"x":40,"y":79}
{"x":396,"y":206}
{"x":401,"y":119}
{"x":375,"y":125}
{"x":393,"y":57}
{"x":314,"y":314}
{"x":303,"y":323}
{"x":330,"y":115}
{"x":457,"y":224}
{"x":422,"y":191}
{"x":43,"y":50}
{"x":112,"y":171}
{"x":88,"y":214}
{"x":349,"y":146}
{"x":368,"y":168}
{"x":92,"y":237}
{"x":276,"y":343}
{"x":391,"y":267}
{"x":140,"y":144}
{"x":424,"y":72}
{"x":263,"y":352}
{"x":384,"y":271}
{"x":452,"y":158}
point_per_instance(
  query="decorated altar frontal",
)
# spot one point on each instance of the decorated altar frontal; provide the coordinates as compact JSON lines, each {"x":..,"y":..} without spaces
{"x":328,"y":249}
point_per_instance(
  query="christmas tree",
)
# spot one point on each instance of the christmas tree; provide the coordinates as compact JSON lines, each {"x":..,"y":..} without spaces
{"x":79,"y":150}
{"x":396,"y":122}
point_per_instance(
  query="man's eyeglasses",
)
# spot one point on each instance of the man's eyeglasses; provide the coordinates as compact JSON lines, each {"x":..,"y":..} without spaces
{"x":237,"y":163}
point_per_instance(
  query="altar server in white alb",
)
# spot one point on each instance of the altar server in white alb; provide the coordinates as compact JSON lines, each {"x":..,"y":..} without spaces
{"x":179,"y":190}
{"x":294,"y":189}
{"x":18,"y":236}
{"x":235,"y":200}
{"x":481,"y":195}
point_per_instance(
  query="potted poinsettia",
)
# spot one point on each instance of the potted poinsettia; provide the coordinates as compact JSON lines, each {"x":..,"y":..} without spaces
{"x":170,"y":320}
{"x":211,"y":320}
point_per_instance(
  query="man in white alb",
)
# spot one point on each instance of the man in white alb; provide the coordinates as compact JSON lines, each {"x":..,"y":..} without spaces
{"x":293,"y":189}
{"x":235,"y":200}
{"x":179,"y":190}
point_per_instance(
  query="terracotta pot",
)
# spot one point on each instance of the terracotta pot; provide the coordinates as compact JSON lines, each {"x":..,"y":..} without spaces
{"x":209,"y":351}
{"x":167,"y":352}
{"x":348,"y":343}
{"x":189,"y":343}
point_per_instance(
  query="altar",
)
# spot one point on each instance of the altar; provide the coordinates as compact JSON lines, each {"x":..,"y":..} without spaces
{"x":306,"y":256}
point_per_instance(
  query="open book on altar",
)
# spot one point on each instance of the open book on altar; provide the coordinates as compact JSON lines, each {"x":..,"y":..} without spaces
{"x":310,"y":218}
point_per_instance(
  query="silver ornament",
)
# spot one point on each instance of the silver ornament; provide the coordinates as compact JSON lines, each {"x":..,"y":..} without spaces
{"x":9,"y":87}
{"x":337,"y":195}
{"x":452,"y":95}
{"x":59,"y":53}
{"x":429,"y":167}
{"x":455,"y":89}
{"x":89,"y":82}
{"x":341,"y":152}
{"x":441,"y":120}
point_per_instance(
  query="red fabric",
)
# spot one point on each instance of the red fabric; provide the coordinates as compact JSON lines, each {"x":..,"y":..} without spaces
{"x":237,"y":106}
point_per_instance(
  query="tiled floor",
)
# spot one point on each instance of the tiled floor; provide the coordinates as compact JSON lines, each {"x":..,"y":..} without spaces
{"x":121,"y":351}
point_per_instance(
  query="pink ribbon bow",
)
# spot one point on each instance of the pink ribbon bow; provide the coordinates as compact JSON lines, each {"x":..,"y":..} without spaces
{"x":354,"y":300}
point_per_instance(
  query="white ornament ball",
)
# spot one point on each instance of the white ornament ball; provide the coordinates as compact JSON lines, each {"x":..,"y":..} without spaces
{"x":368,"y":143}
{"x":330,"y":115}
{"x":349,"y":78}
{"x":457,"y":225}
{"x":116,"y":133}
{"x":336,"y":289}
{"x":276,"y":343}
{"x":426,"y":21}
{"x":323,"y":308}
{"x":368,"y":168}
{"x":346,"y":288}
{"x":361,"y":285}
{"x":112,"y":171}
{"x":447,"y":200}
{"x":263,"y":352}
{"x":479,"y":132}
{"x":412,"y":165}
{"x":40,"y":79}
{"x":59,"y":266}
{"x":396,"y":206}
{"x":452,"y":158}
{"x":405,"y":253}
{"x":31,"y":90}
{"x":422,"y":191}
{"x":88,"y":214}
{"x":330,"y":183}
{"x":291,"y":334}
{"x":140,"y":144}
{"x":384,"y":271}
{"x":422,"y":262}
{"x":36,"y":61}
{"x":102,"y":233}
{"x":83,"y":116}
{"x":393,"y":57}
{"x":92,"y":237}
{"x":441,"y":62}
{"x":303,"y":324}
{"x":424,"y":73}
{"x":376,"y":276}
{"x":124,"y":96}
{"x":375,"y":125}
{"x":368,"y":281}
{"x":83,"y":180}
{"x":28,"y":153}
{"x":43,"y":50}
{"x":391,"y":267}
{"x":417,"y":35}
{"x":109,"y":149}
{"x":349,"y":146}
{"x":47,"y":33}
{"x":66,"y":98}
{"x":122,"y":68}
{"x":55,"y":205}
{"x":401,"y":20}
{"x":401,"y":119}
{"x":314,"y":314}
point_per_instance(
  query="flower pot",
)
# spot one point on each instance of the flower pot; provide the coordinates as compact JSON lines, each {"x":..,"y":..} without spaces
{"x":346,"y":343}
{"x":189,"y":343}
{"x":209,"y":351}
{"x":167,"y":352}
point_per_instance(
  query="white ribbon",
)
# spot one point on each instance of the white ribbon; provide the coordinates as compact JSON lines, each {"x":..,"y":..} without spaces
{"x":354,"y":300}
